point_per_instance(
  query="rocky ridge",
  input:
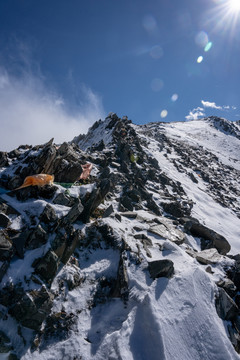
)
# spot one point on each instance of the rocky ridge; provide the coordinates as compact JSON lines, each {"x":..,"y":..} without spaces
{"x":107,"y":251}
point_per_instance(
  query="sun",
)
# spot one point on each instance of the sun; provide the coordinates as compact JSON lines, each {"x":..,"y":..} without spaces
{"x":234,"y":5}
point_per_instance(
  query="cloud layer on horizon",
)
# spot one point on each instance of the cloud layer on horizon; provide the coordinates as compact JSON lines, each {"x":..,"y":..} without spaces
{"x":33,"y":114}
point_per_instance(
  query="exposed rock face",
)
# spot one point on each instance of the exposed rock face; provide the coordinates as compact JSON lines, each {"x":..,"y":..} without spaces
{"x":226,"y":307}
{"x":33,"y":308}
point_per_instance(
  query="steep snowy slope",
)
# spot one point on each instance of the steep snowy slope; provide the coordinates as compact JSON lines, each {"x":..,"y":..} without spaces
{"x":133,"y":263}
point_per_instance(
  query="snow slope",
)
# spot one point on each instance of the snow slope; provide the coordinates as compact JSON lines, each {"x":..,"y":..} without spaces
{"x":117,"y":310}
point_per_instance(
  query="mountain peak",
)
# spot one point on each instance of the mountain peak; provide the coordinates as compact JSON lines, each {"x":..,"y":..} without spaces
{"x":138,"y":252}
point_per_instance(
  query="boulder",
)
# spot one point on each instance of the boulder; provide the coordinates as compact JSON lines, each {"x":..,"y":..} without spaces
{"x":38,"y":238}
{"x":210,"y":238}
{"x":168,"y":231}
{"x":208,"y":256}
{"x":48,"y":215}
{"x":161,"y":268}
{"x":228,"y":286}
{"x":225,"y":306}
{"x":63,"y":199}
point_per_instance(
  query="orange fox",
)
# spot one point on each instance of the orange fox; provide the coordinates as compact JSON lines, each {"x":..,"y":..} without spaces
{"x":39,"y":180}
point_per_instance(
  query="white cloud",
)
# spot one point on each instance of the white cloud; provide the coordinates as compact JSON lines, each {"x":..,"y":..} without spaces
{"x":208,"y":104}
{"x":195,"y":114}
{"x":32,"y":114}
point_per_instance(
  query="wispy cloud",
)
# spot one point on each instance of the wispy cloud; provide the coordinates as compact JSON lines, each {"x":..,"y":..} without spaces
{"x":208,"y":104}
{"x":31,"y":113}
{"x":202,"y":111}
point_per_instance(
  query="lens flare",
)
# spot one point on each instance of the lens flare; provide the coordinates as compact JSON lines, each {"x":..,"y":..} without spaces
{"x":164,"y":114}
{"x":208,"y":46}
{"x":201,"y":39}
{"x":199,"y":59}
{"x":174,"y":97}
{"x":149,"y":23}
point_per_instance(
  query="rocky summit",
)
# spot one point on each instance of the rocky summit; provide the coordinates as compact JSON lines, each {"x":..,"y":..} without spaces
{"x":140,"y":260}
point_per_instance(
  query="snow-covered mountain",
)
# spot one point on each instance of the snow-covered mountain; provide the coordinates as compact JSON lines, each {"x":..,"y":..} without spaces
{"x":140,"y":261}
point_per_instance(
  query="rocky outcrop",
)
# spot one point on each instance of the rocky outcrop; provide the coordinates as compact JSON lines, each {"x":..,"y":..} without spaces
{"x":33,"y":308}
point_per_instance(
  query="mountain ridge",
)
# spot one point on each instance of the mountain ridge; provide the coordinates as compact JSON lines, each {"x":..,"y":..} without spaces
{"x":138,"y":261}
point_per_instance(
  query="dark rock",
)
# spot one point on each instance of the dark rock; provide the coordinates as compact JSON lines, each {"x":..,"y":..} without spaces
{"x":7,"y":209}
{"x":228,"y":286}
{"x":3,"y":159}
{"x":73,"y":213}
{"x":126,"y":202}
{"x":94,"y":199}
{"x":130,"y":214}
{"x":193,"y":178}
{"x":19,"y":240}
{"x":4,"y":220}
{"x":99,"y":146}
{"x":35,"y":192}
{"x":234,"y":337}
{"x":6,"y":248}
{"x":108,"y":211}
{"x":121,"y":288}
{"x":71,"y":245}
{"x":226,"y":307}
{"x":161,"y":268}
{"x":63,"y":199}
{"x":33,"y":308}
{"x":5,"y":343}
{"x":118,"y":217}
{"x":38,"y":238}
{"x":48,"y":215}
{"x":46,"y":267}
{"x":153,"y":207}
{"x":176,"y":209}
{"x":3,"y":269}
{"x":211,"y":239}
{"x":10,"y":294}
{"x":15,"y":182}
{"x":59,"y":242}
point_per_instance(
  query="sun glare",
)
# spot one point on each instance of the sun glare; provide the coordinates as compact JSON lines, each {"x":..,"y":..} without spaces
{"x":234,"y":5}
{"x":225,"y":16}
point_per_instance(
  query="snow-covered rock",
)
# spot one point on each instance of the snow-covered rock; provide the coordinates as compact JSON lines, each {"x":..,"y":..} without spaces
{"x":117,"y":266}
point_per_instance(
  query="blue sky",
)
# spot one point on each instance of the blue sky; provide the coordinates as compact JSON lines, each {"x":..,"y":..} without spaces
{"x":66,"y":63}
